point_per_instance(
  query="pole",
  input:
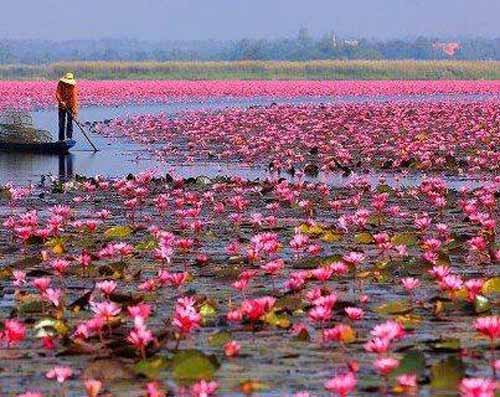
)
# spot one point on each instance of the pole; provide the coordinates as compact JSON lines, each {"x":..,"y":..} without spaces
{"x":85,"y":134}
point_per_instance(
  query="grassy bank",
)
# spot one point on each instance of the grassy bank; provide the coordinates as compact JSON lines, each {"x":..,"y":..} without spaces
{"x":261,"y":70}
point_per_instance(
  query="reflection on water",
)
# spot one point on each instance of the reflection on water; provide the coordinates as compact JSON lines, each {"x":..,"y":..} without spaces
{"x":25,"y":168}
{"x":120,"y":159}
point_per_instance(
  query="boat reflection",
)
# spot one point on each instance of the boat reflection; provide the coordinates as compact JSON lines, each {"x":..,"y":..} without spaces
{"x":33,"y":168}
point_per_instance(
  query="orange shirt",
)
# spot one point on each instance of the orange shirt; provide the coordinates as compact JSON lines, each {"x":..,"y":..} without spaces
{"x":67,"y":93}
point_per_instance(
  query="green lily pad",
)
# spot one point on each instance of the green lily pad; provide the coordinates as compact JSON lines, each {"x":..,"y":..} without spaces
{"x":409,"y":321}
{"x":491,"y":286}
{"x":314,"y":230}
{"x":384,"y":188}
{"x":146,"y":245}
{"x":118,"y":232}
{"x":219,"y":339}
{"x":395,"y":307}
{"x":447,"y":374}
{"x":455,"y":245}
{"x":413,"y":362}
{"x":481,"y":304}
{"x":364,"y":238}
{"x":331,"y":236}
{"x":409,"y":239}
{"x":207,"y":311}
{"x":315,"y":261}
{"x":290,"y":303}
{"x":450,"y":344}
{"x":30,"y":305}
{"x":190,"y":366}
{"x":376,"y":220}
{"x":277,"y":320}
{"x":151,"y":368}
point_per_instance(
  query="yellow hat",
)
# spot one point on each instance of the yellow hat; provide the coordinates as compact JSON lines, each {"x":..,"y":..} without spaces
{"x":68,"y":79}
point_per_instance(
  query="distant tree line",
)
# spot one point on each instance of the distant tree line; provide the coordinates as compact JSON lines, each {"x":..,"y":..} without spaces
{"x":300,"y":48}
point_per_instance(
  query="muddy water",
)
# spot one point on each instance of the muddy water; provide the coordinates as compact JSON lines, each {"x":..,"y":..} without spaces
{"x":117,"y":158}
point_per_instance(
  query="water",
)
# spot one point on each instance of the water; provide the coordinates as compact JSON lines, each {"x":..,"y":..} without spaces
{"x":117,"y":158}
{"x":270,"y":355}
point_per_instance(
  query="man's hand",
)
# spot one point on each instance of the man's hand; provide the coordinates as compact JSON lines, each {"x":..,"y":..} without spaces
{"x":62,"y":104}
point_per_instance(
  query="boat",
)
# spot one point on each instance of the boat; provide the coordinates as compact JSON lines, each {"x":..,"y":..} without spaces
{"x":58,"y":147}
{"x":18,"y":134}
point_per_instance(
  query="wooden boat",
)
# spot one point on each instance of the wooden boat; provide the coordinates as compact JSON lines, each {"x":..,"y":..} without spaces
{"x":59,"y":147}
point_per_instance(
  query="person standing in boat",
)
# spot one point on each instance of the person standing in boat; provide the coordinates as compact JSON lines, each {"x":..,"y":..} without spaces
{"x":67,"y":99}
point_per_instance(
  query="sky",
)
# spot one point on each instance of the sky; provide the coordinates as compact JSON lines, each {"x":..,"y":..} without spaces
{"x":235,"y":19}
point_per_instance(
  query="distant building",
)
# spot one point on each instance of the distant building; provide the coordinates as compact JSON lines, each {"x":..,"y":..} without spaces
{"x":449,"y":48}
{"x":351,"y":43}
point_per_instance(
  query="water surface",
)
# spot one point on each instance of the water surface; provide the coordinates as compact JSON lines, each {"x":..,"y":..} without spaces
{"x":117,"y":157}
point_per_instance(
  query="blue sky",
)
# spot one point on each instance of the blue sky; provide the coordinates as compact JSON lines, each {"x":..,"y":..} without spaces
{"x":233,"y":19}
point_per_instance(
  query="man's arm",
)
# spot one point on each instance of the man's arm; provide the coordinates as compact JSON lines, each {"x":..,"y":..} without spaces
{"x":59,"y":98}
{"x":74,"y":109}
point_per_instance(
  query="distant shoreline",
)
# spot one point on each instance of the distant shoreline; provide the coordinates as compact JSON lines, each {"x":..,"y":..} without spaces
{"x":261,"y":70}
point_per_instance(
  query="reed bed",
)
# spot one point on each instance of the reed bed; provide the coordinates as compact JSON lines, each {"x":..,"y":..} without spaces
{"x":261,"y":70}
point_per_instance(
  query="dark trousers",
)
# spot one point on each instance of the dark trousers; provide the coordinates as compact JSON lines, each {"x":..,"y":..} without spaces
{"x":65,"y":124}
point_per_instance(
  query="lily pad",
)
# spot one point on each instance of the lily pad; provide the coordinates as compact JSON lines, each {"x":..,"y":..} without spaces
{"x":409,"y":239}
{"x":450,"y":344}
{"x":447,"y":374}
{"x":384,"y":188}
{"x":57,"y":245}
{"x":454,"y":245}
{"x":331,"y":236}
{"x":118,"y":232}
{"x":413,"y":362}
{"x":29,"y":305}
{"x":190,"y":366}
{"x":364,"y":238}
{"x":314,"y":230}
{"x":290,"y":303}
{"x":376,"y":220}
{"x":146,"y":245}
{"x":207,"y":312}
{"x":491,"y":286}
{"x":151,"y":368}
{"x":409,"y":321}
{"x":481,"y":304}
{"x":277,"y":320}
{"x":395,"y":307}
{"x":219,"y":339}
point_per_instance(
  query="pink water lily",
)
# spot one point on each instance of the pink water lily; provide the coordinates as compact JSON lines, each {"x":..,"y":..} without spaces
{"x":13,"y":332}
{"x":204,"y":388}
{"x":342,"y":385}
{"x":60,"y":374}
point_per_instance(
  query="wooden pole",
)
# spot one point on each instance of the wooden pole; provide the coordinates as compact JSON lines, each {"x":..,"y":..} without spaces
{"x":85,"y":135}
